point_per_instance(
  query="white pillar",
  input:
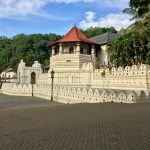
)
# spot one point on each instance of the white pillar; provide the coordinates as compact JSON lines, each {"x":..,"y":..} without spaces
{"x":78,"y":48}
{"x":60,"y":48}
{"x":93,"y":52}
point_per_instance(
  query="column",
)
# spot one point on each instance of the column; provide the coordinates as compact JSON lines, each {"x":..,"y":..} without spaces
{"x":78,"y":48}
{"x":93,"y":52}
{"x":60,"y":48}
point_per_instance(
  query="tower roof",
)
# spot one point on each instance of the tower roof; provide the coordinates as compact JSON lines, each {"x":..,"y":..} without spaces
{"x":75,"y":35}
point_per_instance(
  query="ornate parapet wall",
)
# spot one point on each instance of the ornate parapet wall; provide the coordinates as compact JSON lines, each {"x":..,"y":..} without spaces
{"x":87,"y":85}
{"x":135,"y":77}
{"x":67,"y":94}
{"x":130,"y":77}
{"x":17,"y":89}
{"x":43,"y":78}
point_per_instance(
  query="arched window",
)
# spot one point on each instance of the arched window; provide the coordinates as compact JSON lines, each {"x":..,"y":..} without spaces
{"x":33,"y":78}
{"x":81,"y":51}
{"x":56,"y":50}
{"x":71,"y":50}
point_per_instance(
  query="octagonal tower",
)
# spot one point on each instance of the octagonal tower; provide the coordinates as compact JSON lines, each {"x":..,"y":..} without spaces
{"x":70,"y":52}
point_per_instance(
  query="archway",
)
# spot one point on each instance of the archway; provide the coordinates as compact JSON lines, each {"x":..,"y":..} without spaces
{"x":81,"y":51}
{"x":71,"y":50}
{"x":33,"y":78}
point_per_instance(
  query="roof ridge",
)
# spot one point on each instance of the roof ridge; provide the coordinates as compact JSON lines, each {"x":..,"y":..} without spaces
{"x":75,"y":35}
{"x":77,"y":32}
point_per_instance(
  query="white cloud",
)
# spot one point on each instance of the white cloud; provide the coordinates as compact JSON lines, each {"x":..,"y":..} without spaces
{"x":15,"y":8}
{"x":90,"y":16}
{"x":116,"y":3}
{"x":19,"y":7}
{"x":115,"y":20}
{"x":70,"y":1}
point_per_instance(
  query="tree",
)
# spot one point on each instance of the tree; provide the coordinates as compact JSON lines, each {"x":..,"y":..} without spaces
{"x":141,"y":6}
{"x":136,"y":42}
{"x":138,"y":9}
{"x":91,"y":32}
{"x":28,"y":47}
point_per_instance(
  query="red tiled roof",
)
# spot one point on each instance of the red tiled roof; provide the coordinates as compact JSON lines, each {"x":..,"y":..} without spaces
{"x":75,"y":35}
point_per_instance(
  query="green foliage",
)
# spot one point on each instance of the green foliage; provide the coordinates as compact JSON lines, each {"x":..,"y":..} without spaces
{"x":142,"y":6}
{"x":136,"y":42}
{"x":133,"y":44}
{"x":28,"y":47}
{"x":91,"y":32}
{"x":139,"y":9}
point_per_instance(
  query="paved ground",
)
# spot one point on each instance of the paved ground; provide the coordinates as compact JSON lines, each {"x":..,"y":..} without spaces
{"x":22,"y":101}
{"x":105,"y":126}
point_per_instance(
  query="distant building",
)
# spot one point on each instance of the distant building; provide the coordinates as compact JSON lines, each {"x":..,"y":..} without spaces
{"x":103,"y":56}
{"x":8,"y":73}
{"x":122,"y":31}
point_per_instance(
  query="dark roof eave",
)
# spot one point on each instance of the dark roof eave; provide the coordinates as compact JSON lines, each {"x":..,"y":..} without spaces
{"x":53,"y":43}
{"x":103,"y":43}
{"x":72,"y":41}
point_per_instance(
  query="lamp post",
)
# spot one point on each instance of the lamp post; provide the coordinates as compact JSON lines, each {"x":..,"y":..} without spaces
{"x":32,"y":88}
{"x":9,"y":78}
{"x":5,"y":77}
{"x":52,"y":77}
{"x":0,"y":81}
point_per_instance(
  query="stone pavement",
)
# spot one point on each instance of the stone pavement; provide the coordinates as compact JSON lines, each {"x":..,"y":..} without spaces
{"x":22,"y":101}
{"x":103,"y":126}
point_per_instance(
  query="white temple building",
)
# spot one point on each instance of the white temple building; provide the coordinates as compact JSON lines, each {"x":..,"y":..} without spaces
{"x":76,"y":77}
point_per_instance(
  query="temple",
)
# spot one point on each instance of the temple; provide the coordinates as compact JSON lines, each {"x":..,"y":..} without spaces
{"x":72,"y":51}
{"x":74,"y":76}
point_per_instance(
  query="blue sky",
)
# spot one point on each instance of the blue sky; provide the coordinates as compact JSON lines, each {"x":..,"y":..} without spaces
{"x":58,"y":16}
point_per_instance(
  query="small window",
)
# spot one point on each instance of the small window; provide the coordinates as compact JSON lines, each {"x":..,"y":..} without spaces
{"x":56,"y":51}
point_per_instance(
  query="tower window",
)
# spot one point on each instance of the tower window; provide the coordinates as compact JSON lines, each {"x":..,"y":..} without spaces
{"x":71,"y":50}
{"x":81,"y":51}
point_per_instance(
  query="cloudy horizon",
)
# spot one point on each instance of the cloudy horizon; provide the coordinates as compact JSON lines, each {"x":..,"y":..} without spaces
{"x":58,"y":16}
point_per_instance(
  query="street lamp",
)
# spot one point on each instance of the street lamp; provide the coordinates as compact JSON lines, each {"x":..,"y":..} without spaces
{"x":9,"y":78}
{"x":52,"y":77}
{"x":0,"y":81}
{"x":3,"y":78}
{"x":32,"y":88}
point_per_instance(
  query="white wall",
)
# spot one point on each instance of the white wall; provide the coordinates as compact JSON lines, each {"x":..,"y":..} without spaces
{"x":68,"y":94}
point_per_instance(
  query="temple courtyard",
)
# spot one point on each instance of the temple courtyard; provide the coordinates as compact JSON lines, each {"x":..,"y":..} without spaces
{"x":29,"y":123}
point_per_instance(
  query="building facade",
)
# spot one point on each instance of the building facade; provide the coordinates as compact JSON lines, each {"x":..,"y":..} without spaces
{"x":76,"y":77}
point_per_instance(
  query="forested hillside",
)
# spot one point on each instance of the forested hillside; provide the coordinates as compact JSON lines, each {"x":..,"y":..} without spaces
{"x":27,"y":47}
{"x":33,"y":47}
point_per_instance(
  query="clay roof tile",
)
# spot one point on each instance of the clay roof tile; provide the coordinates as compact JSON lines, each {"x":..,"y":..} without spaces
{"x":75,"y":35}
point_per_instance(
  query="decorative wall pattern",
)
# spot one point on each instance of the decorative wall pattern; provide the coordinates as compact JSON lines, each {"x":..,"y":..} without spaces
{"x":87,"y":85}
{"x":67,"y":94}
